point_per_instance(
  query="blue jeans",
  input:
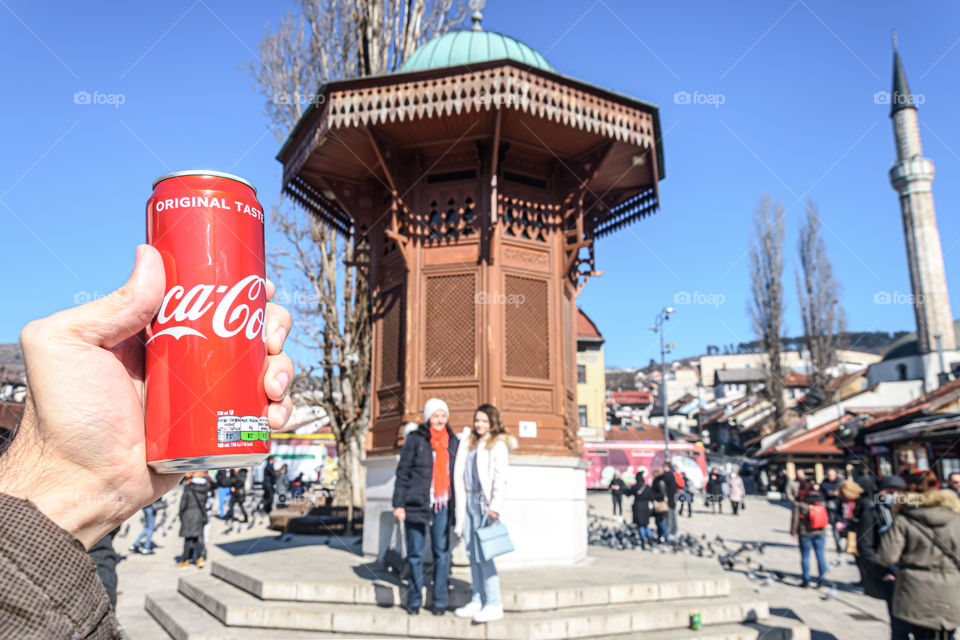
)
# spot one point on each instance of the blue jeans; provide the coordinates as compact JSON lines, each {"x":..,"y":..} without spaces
{"x":150,"y":514}
{"x":483,"y":573}
{"x":223,"y":495}
{"x":663,"y":528}
{"x":817,"y":542}
{"x":645,"y":532}
{"x":416,"y":543}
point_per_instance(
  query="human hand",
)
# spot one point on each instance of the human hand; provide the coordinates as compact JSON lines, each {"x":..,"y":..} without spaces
{"x":400,"y":514}
{"x":79,"y":453}
{"x":889,"y":577}
{"x":492,"y":515}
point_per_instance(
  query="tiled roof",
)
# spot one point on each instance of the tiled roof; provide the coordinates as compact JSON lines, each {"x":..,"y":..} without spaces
{"x":807,"y":442}
{"x":631,"y":397}
{"x":795,"y":379}
{"x":926,"y":401}
{"x":585,"y":326}
{"x":839,"y":381}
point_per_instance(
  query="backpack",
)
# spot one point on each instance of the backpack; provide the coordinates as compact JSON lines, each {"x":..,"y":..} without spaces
{"x":817,"y":516}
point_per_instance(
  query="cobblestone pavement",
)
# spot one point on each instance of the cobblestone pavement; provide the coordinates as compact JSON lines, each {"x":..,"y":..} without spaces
{"x":846,"y":615}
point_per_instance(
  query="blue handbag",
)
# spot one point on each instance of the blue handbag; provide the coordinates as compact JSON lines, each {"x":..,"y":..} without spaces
{"x":494,"y":539}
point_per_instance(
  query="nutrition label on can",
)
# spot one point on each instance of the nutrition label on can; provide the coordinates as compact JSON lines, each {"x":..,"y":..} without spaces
{"x":242,"y":429}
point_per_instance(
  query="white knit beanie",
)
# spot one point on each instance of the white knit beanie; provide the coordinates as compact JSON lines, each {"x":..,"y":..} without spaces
{"x":432,"y":406}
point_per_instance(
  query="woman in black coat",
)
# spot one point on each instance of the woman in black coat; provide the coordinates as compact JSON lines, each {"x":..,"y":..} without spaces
{"x":642,"y":509}
{"x":715,"y":491}
{"x":193,"y":515}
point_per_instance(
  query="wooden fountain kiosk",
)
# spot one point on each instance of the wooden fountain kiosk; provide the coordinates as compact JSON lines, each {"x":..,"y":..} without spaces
{"x":479,"y":179}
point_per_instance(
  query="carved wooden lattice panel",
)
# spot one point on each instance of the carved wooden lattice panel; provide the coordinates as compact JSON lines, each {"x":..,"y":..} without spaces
{"x":391,"y":335}
{"x":527,"y":328}
{"x":526,"y":219}
{"x":451,"y":324}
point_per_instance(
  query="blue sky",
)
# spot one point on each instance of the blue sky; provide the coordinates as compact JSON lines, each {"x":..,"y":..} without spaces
{"x":797,"y":118}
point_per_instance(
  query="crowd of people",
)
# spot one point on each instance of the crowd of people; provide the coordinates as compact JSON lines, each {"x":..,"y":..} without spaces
{"x":905,"y":534}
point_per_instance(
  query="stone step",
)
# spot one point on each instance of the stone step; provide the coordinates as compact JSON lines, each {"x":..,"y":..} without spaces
{"x":183,"y":619}
{"x":385,"y":591}
{"x":236,"y":607}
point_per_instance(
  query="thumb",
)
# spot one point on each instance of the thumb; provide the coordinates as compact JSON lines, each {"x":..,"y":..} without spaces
{"x":107,"y":321}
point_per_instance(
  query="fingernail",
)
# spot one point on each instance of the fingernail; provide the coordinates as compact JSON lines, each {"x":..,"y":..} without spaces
{"x":283,"y":413}
{"x":280,"y":333}
{"x":282,"y":380}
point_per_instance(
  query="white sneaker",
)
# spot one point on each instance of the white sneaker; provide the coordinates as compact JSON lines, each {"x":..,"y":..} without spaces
{"x":469,"y":610}
{"x":489,"y":613}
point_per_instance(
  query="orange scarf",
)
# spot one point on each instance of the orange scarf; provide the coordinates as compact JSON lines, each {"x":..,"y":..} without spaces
{"x":439,"y":440}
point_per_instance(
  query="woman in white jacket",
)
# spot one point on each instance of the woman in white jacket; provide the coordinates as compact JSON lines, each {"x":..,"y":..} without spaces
{"x":479,"y":484}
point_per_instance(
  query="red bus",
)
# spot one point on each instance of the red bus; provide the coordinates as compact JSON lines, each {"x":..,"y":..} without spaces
{"x":628,"y":458}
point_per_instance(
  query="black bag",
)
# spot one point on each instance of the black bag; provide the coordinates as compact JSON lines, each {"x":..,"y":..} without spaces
{"x":394,"y":559}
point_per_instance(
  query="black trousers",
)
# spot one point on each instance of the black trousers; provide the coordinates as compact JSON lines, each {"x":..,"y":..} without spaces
{"x":192,"y":549}
{"x":267,"y":498}
{"x":238,"y":501}
{"x":617,"y":504}
{"x":736,"y":506}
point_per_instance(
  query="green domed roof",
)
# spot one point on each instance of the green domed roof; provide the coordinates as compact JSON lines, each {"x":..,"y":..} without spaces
{"x":471,"y":47}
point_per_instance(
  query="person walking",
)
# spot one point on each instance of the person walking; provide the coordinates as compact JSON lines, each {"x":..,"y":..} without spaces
{"x":642,"y":509}
{"x":874,"y":518}
{"x":283,"y":485}
{"x":670,"y":482}
{"x":223,"y":482}
{"x":715,"y":492}
{"x":423,"y":499}
{"x":809,"y":522}
{"x":193,"y":515}
{"x":480,"y":485}
{"x":685,"y":496}
{"x":924,"y":543}
{"x":735,"y":491}
{"x":617,"y":485}
{"x":661,"y":505}
{"x":238,"y":488}
{"x":830,"y":488}
{"x":793,"y":485}
{"x":269,"y":485}
{"x":144,"y":542}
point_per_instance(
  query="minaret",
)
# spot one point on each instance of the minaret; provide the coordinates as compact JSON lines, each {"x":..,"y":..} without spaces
{"x":912,"y":177}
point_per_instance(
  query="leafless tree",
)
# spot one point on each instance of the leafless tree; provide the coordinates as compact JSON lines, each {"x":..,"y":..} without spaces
{"x":819,"y":296}
{"x":766,"y":306}
{"x":323,"y":276}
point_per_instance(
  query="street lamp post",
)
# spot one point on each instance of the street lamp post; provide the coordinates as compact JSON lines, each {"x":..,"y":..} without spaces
{"x":658,"y":327}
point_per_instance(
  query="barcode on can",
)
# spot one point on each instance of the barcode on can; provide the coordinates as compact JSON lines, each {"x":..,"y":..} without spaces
{"x":242,"y":429}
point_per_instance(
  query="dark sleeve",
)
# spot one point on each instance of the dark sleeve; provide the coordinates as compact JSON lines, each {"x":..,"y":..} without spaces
{"x":404,"y":472}
{"x":49,"y":586}
{"x":867,"y":535}
{"x":795,"y":519}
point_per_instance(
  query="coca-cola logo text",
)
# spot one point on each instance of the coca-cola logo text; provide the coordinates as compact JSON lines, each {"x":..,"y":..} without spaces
{"x":231,"y":316}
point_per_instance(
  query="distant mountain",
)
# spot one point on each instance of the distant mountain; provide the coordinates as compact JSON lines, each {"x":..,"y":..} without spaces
{"x":11,"y":363}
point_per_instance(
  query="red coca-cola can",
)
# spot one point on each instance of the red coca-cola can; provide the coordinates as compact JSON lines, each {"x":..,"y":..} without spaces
{"x":206,"y":407}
